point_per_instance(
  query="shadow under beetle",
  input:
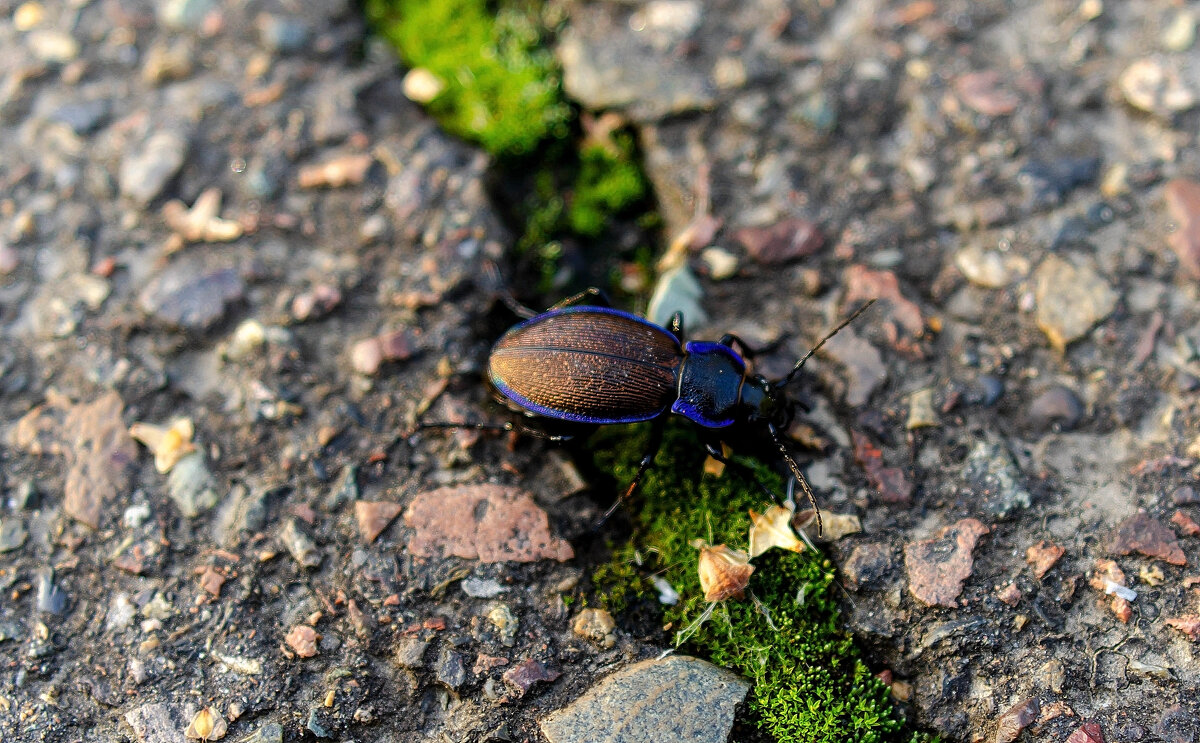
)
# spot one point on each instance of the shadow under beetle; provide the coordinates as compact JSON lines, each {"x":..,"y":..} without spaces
{"x":590,"y":364}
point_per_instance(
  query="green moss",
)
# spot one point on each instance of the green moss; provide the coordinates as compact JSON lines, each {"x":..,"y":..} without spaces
{"x":609,"y":182}
{"x":502,"y":86}
{"x":810,"y":683}
{"x":503,"y":90}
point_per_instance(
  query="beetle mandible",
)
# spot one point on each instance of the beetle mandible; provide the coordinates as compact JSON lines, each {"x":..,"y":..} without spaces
{"x":593,"y":364}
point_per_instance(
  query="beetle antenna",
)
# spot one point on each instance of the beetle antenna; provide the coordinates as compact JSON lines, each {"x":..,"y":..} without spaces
{"x":800,"y":364}
{"x":795,"y":468}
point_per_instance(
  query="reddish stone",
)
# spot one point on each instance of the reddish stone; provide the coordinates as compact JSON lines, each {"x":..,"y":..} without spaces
{"x":987,"y":93}
{"x":528,"y":673}
{"x":1183,"y":201}
{"x":1010,"y":594}
{"x":1088,"y":732}
{"x":95,"y":442}
{"x":781,"y":242}
{"x":211,"y":581}
{"x":1187,"y":525}
{"x":1018,"y":717}
{"x":863,"y":283}
{"x":490,"y":523}
{"x":397,"y":345}
{"x":1150,"y":537}
{"x":1121,"y":609}
{"x":485,"y":663}
{"x":1188,"y":624}
{"x":374,"y":517}
{"x":303,"y":640}
{"x":892,"y":484}
{"x":1042,"y":556}
{"x":938,"y":567}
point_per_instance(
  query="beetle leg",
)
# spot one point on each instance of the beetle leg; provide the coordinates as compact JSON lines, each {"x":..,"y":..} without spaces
{"x":747,"y":351}
{"x":675,"y":325}
{"x":498,"y":428}
{"x":713,"y":447}
{"x":656,"y":437}
{"x":591,"y":295}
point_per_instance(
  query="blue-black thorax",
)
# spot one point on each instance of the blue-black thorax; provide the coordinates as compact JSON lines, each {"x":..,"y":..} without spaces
{"x":710,"y":384}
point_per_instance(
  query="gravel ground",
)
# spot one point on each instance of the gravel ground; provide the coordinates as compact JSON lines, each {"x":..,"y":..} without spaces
{"x":236,"y":263}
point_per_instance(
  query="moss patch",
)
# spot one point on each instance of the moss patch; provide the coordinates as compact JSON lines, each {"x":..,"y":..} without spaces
{"x":501,"y":86}
{"x":503,"y":91}
{"x":810,"y":683}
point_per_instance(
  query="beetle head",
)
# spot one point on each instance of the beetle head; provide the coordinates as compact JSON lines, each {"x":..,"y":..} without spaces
{"x":765,"y":402}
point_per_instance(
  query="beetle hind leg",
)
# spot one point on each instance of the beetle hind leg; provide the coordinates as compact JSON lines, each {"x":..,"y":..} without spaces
{"x":656,"y":437}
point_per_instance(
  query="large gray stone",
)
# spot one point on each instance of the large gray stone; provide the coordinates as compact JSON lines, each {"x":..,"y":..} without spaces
{"x":665,"y":700}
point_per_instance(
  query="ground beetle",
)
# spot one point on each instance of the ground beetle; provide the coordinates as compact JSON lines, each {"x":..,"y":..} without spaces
{"x":592,"y":364}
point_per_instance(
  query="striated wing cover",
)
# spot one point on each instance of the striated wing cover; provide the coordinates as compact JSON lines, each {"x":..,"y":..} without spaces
{"x":587,"y":364}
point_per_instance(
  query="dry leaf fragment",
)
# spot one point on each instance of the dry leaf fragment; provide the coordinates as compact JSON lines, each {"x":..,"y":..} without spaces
{"x":169,"y":445}
{"x":208,"y":724}
{"x":773,"y":529}
{"x":724,"y":572}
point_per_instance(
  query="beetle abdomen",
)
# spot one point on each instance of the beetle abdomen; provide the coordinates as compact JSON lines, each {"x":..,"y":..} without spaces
{"x":587,"y":365}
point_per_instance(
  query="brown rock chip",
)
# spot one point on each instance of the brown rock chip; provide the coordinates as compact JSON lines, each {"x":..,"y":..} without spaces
{"x":891,"y":482}
{"x":1183,"y":201}
{"x":374,"y":517}
{"x":781,"y":242}
{"x":490,"y":523}
{"x":1042,"y":556}
{"x":524,"y":675}
{"x":1152,"y":538}
{"x":938,"y":567}
{"x":94,"y":441}
{"x":1187,"y":525}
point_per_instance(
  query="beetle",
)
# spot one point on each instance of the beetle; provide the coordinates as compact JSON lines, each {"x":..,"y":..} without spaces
{"x":591,"y":364}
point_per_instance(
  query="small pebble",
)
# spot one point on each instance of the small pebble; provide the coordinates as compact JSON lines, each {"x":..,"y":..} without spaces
{"x":9,"y":260}
{"x":144,"y":173}
{"x":299,"y":545}
{"x":1057,"y":408}
{"x":721,"y":263}
{"x":53,"y":46}
{"x":28,"y":15}
{"x":1180,"y":33}
{"x":1071,"y":299}
{"x":1150,"y":85}
{"x":12,"y":533}
{"x":50,"y":598}
{"x":422,"y":86}
{"x":921,"y":413}
{"x":302,"y":639}
{"x":481,"y":588}
{"x":191,"y":485}
{"x":596,"y":625}
{"x":451,"y":669}
{"x":285,"y":34}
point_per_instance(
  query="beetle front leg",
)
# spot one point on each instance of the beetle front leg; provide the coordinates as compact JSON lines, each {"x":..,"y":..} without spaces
{"x":656,"y":437}
{"x":675,"y":325}
{"x":713,"y":447}
{"x":592,"y":295}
